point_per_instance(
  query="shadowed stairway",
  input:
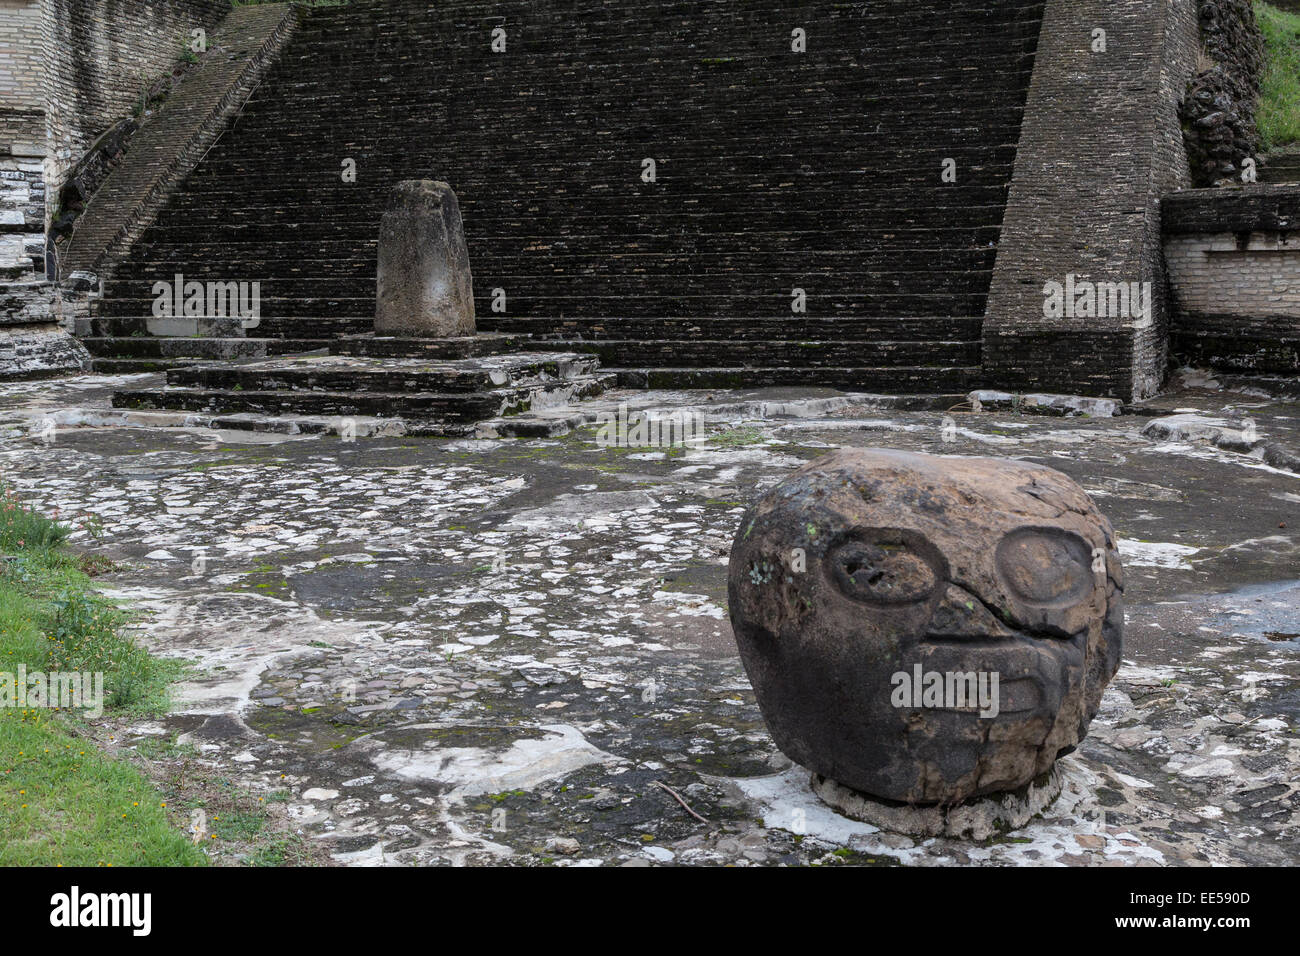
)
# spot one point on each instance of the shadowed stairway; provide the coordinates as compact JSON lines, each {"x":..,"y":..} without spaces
{"x":775,"y":171}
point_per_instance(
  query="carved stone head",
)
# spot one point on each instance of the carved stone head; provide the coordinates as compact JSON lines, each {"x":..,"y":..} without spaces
{"x":926,"y":629}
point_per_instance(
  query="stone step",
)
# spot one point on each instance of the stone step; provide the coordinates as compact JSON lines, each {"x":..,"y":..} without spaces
{"x":567,"y":119}
{"x":624,"y":32}
{"x":969,"y":275}
{"x":561,"y":59}
{"x":575,"y":256}
{"x":722,"y":136}
{"x":145,"y":322}
{"x":152,"y":260}
{"x":1280,"y":168}
{"x":849,"y":328}
{"x":623,"y":21}
{"x":171,"y":347}
{"x":656,"y":215}
{"x":761,"y":403}
{"x":137,"y":366}
{"x":733,"y":172}
{"x":713,"y":43}
{"x":357,"y":257}
{"x":379,"y":346}
{"x":809,"y":139}
{"x":336,"y":373}
{"x":276,"y":311}
{"x":748,"y":351}
{"x":840,"y":163}
{"x":592,"y":12}
{"x":619,"y":178}
{"x":316,"y":326}
{"x":436,"y":408}
{"x":839,"y":155}
{"x":890,"y":380}
{"x":620,"y":24}
{"x":616,"y":184}
{"x":670,"y":69}
{"x":775,"y":353}
{"x":960,"y":268}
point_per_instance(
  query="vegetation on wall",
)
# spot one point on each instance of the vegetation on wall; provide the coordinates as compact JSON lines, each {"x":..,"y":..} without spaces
{"x":1279,"y":107}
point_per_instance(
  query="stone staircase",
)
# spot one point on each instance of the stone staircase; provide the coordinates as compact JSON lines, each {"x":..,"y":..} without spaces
{"x":168,"y":146}
{"x":776,"y":171}
{"x":434,"y":396}
{"x":1280,"y":166}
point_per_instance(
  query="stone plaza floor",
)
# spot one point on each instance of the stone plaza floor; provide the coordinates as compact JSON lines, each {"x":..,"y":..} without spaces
{"x":471,"y":651}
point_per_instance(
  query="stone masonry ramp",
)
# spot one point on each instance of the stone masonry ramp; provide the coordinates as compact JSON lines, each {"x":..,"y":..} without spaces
{"x":775,"y":171}
{"x":168,"y":147}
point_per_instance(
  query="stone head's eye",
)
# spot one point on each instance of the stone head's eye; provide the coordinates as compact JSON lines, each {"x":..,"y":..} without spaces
{"x":881,"y":572}
{"x":1045,"y":567}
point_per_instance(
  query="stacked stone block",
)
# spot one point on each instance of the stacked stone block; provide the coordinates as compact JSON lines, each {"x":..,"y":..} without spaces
{"x":1234,"y":269}
{"x":1101,"y":143}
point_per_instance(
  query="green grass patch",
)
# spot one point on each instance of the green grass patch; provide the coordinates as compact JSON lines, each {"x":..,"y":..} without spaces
{"x":21,"y":528}
{"x":739,"y":437}
{"x":62,"y":801}
{"x":1279,"y":106}
{"x":289,"y":849}
{"x":238,"y":825}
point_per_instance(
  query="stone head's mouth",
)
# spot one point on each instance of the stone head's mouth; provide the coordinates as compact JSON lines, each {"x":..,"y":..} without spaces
{"x":1038,"y":640}
{"x":977,"y":693}
{"x":1026,"y":672}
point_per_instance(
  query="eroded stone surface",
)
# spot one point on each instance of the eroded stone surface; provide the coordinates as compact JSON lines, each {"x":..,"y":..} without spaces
{"x":424,"y":283}
{"x":369,"y":609}
{"x":977,"y":819}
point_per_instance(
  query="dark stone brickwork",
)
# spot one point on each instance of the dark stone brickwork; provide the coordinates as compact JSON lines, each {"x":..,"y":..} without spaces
{"x":1234,"y":267}
{"x":1101,"y":142}
{"x":821,"y":171}
{"x":1248,"y":209}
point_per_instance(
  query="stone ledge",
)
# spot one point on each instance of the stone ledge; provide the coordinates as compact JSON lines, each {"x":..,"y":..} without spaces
{"x":1257,"y":208}
{"x":1234,"y":436}
{"x":40,"y":351}
{"x":1037,"y":403}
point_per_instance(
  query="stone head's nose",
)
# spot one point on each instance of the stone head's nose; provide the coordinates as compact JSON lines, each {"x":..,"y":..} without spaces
{"x":962,"y":615}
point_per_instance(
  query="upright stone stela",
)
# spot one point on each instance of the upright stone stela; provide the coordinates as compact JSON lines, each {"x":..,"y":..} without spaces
{"x":424,"y":363}
{"x":424,"y":284}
